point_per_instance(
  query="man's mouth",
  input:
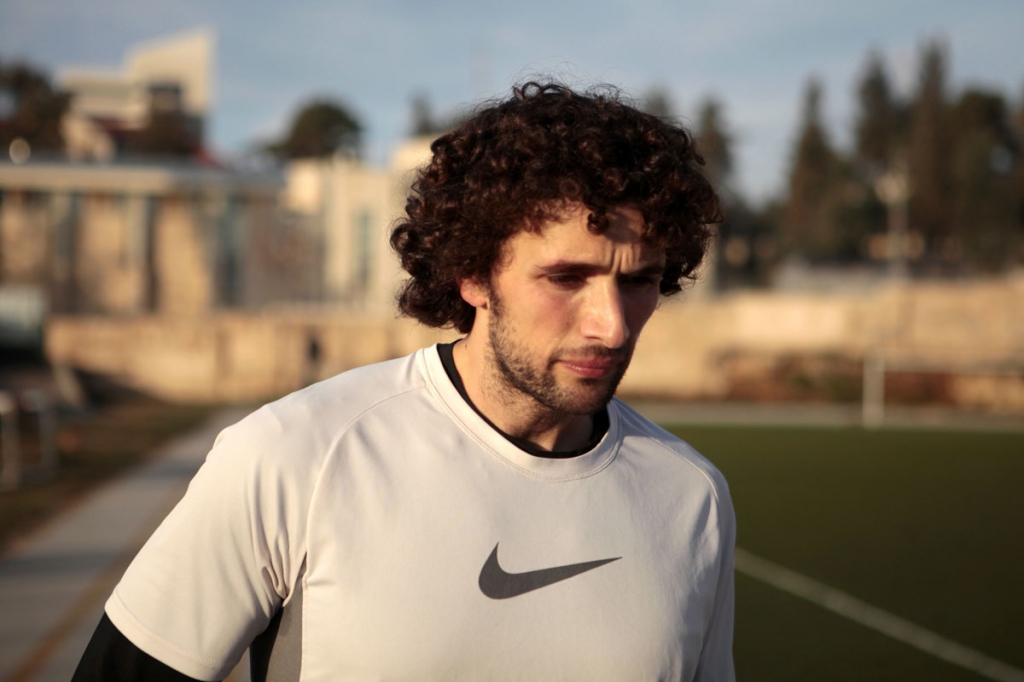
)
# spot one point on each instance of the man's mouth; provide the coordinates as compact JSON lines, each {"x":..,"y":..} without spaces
{"x":592,"y":367}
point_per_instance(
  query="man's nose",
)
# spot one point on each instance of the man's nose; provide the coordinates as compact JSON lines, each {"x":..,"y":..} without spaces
{"x":604,"y":317}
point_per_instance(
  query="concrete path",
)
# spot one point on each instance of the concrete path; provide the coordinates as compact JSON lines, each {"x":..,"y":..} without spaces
{"x":54,"y":583}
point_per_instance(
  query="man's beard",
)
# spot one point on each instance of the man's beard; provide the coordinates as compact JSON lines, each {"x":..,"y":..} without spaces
{"x":518,"y":374}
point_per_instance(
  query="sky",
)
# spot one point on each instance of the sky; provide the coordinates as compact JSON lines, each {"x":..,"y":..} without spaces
{"x":754,"y":56}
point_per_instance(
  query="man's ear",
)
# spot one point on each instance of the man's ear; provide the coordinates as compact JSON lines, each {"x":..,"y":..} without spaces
{"x":474,"y":293}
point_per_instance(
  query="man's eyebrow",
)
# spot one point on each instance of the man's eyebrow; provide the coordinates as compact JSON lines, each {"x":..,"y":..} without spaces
{"x":568,"y":266}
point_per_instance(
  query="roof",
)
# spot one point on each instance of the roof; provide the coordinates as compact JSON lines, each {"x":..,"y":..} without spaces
{"x":133,"y":178}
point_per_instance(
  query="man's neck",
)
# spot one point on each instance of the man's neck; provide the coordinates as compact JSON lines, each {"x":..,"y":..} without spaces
{"x":512,"y":411}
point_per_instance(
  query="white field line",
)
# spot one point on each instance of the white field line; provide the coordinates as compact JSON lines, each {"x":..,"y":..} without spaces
{"x":875,"y":618}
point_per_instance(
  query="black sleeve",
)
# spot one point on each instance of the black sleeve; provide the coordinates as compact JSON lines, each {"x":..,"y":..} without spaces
{"x":110,"y":657}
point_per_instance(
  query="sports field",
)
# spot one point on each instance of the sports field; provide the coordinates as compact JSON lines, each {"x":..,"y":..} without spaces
{"x":909,"y":535}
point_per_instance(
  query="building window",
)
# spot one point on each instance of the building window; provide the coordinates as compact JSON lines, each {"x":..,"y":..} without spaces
{"x":363,"y":249}
{"x":229,"y":249}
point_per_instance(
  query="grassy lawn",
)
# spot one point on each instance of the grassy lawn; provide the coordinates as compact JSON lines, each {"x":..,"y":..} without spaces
{"x":927,"y":525}
{"x":93,"y":445}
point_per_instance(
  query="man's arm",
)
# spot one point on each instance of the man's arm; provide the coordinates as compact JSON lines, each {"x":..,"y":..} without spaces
{"x":213,"y":575}
{"x":111,"y":657}
{"x":716,"y":662}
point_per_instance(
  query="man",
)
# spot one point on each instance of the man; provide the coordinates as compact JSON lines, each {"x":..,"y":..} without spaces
{"x":483,"y":510}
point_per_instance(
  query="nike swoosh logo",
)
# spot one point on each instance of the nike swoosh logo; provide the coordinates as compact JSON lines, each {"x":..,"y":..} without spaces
{"x":497,"y":583}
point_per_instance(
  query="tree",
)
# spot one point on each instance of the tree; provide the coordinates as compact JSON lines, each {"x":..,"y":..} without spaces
{"x":807,"y":228}
{"x":715,"y":144}
{"x":1018,"y":173}
{"x":425,"y":123}
{"x":984,"y":151}
{"x":878,"y":149}
{"x":929,"y":156}
{"x":423,"y":120}
{"x":738,"y":260}
{"x":878,"y":121}
{"x":658,"y":102}
{"x":321,"y":128}
{"x":30,"y":108}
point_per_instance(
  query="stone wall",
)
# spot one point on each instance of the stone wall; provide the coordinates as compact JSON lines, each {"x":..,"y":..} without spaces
{"x":228,"y":356}
{"x":700,"y":348}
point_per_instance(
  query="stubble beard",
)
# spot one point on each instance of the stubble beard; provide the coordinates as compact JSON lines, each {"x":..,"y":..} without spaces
{"x":519,"y":376}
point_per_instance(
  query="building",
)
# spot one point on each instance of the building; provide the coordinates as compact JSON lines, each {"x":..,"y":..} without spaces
{"x":167,"y":81}
{"x":133,"y":239}
{"x":126,"y":227}
{"x":353,"y":207}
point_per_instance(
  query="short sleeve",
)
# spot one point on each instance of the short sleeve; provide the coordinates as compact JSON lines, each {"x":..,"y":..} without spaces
{"x":223,"y":561}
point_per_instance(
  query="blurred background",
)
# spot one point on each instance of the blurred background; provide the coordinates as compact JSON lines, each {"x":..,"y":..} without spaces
{"x":195,"y":201}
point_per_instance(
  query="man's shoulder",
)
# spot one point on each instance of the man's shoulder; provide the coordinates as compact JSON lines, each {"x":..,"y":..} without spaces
{"x":305,"y":423}
{"x":653,"y":440}
{"x":357,"y":389}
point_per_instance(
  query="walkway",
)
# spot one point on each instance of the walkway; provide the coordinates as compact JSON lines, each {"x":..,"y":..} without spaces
{"x":54,"y":583}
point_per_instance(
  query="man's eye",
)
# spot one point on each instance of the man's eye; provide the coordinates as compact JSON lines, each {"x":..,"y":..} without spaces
{"x":566,"y":280}
{"x":640,"y":282}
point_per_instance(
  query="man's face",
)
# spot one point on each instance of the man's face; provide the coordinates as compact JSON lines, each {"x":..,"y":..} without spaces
{"x":565,"y":308}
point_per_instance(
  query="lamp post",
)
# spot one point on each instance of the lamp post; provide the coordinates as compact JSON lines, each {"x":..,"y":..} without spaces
{"x":893,"y":189}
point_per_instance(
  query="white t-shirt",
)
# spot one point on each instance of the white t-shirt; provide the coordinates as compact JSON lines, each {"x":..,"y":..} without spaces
{"x":378,"y":508}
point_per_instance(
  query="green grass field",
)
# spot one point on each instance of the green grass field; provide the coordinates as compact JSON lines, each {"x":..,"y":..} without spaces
{"x":928,"y":525}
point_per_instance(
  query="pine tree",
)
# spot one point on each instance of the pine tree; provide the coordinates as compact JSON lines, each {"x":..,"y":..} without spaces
{"x":878,"y":121}
{"x":929,"y":157}
{"x":878,"y":150}
{"x":424,"y":122}
{"x":744,"y":238}
{"x":658,"y":102}
{"x":982,"y":171}
{"x":806,"y":225}
{"x":1018,"y":169}
{"x":715,"y":144}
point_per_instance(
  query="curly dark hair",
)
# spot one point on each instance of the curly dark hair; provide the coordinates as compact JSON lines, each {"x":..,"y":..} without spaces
{"x":520,"y":163}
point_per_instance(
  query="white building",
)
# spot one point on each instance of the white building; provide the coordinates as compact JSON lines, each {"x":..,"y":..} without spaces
{"x":169,"y":74}
{"x":354,"y":207}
